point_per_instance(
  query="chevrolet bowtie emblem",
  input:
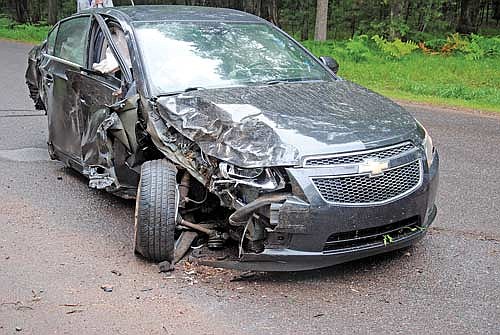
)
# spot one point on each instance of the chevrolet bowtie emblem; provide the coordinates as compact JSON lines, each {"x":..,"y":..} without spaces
{"x":373,"y":167}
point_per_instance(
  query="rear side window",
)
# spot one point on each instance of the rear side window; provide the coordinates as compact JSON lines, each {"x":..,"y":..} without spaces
{"x":51,"y":40}
{"x":71,"y":41}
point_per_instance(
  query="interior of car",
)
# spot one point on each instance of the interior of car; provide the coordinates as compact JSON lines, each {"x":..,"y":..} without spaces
{"x":103,"y":59}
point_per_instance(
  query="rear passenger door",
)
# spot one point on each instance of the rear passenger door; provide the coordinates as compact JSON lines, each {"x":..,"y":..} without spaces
{"x":69,"y":53}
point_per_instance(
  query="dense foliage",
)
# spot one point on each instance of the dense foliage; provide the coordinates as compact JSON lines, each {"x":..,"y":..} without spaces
{"x":416,"y":20}
{"x":454,"y":73}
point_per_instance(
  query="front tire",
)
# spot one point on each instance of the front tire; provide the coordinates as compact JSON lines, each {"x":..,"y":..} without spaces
{"x":156,"y":211}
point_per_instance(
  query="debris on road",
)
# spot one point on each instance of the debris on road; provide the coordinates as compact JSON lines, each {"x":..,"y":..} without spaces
{"x":75,"y":311}
{"x":36,"y":297}
{"x":243,"y":276}
{"x":70,"y":305}
{"x":107,"y":288}
{"x":166,"y":266}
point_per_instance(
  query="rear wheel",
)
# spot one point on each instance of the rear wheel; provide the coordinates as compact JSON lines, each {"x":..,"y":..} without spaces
{"x":156,"y":211}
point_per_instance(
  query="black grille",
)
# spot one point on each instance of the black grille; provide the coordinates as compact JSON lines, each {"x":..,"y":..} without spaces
{"x":363,"y":189}
{"x":361,"y":157}
{"x":377,"y":235}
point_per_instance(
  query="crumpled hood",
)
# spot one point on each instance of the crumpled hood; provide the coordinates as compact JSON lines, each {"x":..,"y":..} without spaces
{"x":280,"y":124}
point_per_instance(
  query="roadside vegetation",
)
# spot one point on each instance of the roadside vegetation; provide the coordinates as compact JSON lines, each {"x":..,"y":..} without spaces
{"x":452,"y":69}
{"x":31,"y":33}
{"x":456,"y":71}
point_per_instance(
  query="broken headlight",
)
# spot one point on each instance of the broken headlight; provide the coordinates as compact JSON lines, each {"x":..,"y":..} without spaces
{"x":429,"y":149}
{"x":428,"y":146}
{"x":232,"y":171}
{"x":262,"y":178}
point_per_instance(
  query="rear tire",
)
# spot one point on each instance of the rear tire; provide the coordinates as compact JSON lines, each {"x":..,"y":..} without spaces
{"x":156,"y":211}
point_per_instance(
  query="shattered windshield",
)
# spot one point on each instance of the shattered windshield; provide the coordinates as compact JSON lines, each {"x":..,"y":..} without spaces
{"x":189,"y":55}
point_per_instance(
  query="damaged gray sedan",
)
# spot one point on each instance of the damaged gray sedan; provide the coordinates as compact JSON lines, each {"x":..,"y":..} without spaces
{"x":231,"y":136}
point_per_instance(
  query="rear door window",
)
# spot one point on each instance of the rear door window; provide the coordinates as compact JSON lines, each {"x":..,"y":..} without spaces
{"x":71,"y":42}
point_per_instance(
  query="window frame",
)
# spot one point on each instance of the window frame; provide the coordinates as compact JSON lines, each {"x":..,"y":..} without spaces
{"x":102,"y":26}
{"x":53,"y":32}
{"x":86,"y":40}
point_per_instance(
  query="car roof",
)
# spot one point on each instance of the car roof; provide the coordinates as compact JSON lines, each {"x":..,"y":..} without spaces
{"x":180,"y":13}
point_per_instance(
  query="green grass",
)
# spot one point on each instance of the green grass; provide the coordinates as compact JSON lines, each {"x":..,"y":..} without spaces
{"x":22,"y":32}
{"x":436,"y":79}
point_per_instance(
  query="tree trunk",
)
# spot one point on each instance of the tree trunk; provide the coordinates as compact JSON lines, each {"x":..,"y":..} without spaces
{"x":321,"y":30}
{"x":52,"y":12}
{"x":304,"y":32}
{"x":408,"y":11}
{"x":21,"y":7}
{"x":469,"y":15}
{"x":275,"y":12}
{"x":395,"y":13}
{"x":35,"y":11}
{"x":496,"y":10}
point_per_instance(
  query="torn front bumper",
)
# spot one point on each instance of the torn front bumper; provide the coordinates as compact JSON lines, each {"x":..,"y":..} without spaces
{"x":312,"y":233}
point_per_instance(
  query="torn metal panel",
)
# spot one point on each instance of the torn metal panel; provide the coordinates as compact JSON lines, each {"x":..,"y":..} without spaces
{"x":104,"y":123}
{"x":127,"y":110}
{"x":31,"y":74}
{"x":98,"y":149}
{"x":278,"y":125}
{"x":170,"y":144}
{"x":32,"y":77}
{"x":103,"y":141}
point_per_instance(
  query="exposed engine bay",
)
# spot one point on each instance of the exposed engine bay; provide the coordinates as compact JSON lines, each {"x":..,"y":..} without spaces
{"x":227,"y":206}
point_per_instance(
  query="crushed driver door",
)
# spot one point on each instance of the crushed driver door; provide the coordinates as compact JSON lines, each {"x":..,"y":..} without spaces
{"x":101,"y":107}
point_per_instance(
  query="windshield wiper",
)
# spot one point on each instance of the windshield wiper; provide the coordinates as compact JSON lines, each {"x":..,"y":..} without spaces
{"x":289,"y":80}
{"x":276,"y":81}
{"x":189,"y":89}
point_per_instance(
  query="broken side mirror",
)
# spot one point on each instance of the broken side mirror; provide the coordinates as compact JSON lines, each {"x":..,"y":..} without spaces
{"x":330,"y":63}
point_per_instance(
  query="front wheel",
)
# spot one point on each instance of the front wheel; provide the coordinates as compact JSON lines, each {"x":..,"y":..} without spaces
{"x":156,"y":211}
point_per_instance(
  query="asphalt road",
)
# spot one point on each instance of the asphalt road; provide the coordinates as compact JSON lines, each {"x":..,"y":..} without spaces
{"x":60,"y":242}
